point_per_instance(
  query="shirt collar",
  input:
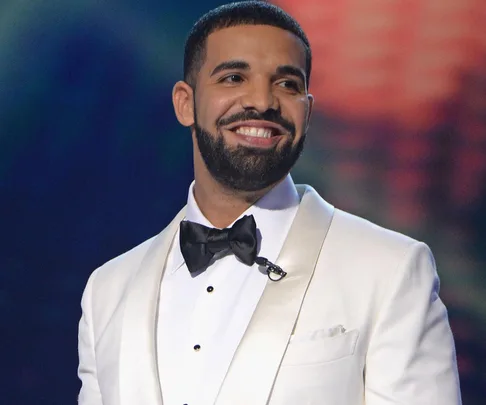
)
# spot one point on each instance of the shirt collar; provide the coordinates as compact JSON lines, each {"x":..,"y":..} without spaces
{"x":268,"y":211}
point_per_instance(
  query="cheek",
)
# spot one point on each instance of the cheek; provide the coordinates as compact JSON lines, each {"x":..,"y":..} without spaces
{"x":212,"y":106}
{"x":297,"y":111}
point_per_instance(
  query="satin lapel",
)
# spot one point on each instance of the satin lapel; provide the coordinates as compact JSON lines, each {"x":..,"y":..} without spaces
{"x":139,"y":377}
{"x":252,"y":373}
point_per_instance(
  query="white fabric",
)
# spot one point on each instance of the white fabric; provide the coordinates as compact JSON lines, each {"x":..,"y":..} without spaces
{"x":189,"y":315}
{"x":372,"y":329}
{"x":260,"y":353}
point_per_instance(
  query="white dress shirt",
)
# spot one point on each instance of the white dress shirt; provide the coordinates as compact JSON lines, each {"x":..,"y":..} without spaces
{"x":203,"y":318}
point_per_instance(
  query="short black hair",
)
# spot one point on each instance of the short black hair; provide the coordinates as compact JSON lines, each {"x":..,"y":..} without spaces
{"x":231,"y":15}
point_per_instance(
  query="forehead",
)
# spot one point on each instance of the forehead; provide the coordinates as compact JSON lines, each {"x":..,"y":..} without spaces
{"x":255,"y":44}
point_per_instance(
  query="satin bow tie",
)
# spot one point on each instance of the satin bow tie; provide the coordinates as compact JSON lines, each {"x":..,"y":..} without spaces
{"x":199,"y":243}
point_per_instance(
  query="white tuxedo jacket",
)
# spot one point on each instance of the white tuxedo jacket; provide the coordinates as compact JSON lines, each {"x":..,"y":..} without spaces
{"x":363,"y":326}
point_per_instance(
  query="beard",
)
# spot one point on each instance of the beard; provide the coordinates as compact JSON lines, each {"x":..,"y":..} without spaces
{"x":244,"y":168}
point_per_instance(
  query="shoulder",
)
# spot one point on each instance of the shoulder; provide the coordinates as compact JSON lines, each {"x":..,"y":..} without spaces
{"x":363,"y":260}
{"x":361,"y":255}
{"x":358,"y":249}
{"x":107,"y":284}
{"x":124,"y":265}
{"x":355,"y":233}
{"x":362,"y":235}
{"x":110,"y":281}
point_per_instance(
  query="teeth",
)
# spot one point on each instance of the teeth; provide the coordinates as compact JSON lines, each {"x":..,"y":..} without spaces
{"x":253,"y":131}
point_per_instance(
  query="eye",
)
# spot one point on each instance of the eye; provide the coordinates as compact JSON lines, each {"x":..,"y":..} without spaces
{"x":232,"y":78}
{"x":290,"y":85}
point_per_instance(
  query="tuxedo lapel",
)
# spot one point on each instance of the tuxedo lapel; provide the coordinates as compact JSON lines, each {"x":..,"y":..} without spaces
{"x":255,"y":365}
{"x":139,"y":376}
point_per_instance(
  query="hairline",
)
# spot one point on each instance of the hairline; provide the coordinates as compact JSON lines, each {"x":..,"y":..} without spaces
{"x":191,"y":78}
{"x":204,"y":46}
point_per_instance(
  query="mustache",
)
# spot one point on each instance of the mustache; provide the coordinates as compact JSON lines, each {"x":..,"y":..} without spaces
{"x":252,"y":115}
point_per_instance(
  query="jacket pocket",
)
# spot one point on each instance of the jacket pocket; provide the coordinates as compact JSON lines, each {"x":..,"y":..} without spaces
{"x":320,"y":349}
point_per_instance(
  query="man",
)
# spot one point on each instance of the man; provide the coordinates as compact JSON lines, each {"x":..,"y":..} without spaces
{"x":259,"y":292}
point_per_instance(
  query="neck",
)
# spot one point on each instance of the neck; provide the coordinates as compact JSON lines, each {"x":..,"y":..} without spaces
{"x":220,"y":205}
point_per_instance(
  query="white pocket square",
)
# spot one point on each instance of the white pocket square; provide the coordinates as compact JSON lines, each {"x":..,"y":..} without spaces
{"x":319,"y":334}
{"x":336,"y":330}
{"x":321,"y":346}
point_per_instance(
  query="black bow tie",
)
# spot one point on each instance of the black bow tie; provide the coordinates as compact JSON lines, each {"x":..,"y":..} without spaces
{"x":199,"y":243}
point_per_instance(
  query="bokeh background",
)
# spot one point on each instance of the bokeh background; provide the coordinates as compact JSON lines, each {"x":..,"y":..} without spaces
{"x":93,"y":162}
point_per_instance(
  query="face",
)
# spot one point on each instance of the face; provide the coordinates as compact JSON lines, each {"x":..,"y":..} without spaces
{"x":250,"y":106}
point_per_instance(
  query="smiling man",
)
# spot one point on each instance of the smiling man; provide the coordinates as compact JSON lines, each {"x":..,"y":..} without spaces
{"x":260,"y":292}
{"x":245,"y":98}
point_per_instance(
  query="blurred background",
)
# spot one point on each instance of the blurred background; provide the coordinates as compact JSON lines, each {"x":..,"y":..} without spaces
{"x":93,"y":162}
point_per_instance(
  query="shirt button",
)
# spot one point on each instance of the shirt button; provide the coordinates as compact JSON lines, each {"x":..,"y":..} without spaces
{"x":210,"y":289}
{"x":197,"y":348}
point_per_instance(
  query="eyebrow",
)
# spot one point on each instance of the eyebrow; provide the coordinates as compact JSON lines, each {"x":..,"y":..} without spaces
{"x":231,"y":65}
{"x":282,"y":70}
{"x":289,"y":70}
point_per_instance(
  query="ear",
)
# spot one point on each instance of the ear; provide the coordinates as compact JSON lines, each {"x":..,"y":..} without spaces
{"x":310,"y":98}
{"x":183,"y":101}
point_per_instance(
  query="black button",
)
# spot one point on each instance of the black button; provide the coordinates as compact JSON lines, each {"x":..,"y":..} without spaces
{"x":197,"y":348}
{"x":210,"y":289}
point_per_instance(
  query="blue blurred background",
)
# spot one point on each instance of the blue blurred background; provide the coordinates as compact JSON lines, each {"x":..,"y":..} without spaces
{"x":93,"y":161}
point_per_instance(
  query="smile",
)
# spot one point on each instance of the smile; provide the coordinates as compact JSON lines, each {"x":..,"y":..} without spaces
{"x":257,"y":129}
{"x":255,"y":132}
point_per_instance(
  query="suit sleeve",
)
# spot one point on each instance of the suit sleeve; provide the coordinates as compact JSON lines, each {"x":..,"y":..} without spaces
{"x":411,"y":357}
{"x":90,"y":392}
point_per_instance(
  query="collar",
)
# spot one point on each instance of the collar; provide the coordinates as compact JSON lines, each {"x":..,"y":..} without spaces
{"x":271,"y":213}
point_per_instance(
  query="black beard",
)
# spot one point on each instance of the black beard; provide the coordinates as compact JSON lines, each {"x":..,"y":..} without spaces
{"x":245,"y":168}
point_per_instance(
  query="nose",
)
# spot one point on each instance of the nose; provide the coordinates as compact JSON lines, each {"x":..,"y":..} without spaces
{"x":260,"y":97}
